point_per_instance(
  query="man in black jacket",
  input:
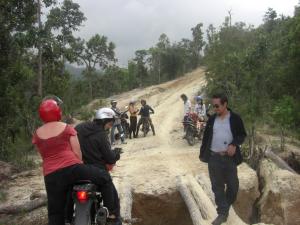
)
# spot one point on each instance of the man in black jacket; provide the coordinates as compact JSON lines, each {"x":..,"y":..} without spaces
{"x":145,"y":116}
{"x":223,"y":135}
{"x":96,"y":150}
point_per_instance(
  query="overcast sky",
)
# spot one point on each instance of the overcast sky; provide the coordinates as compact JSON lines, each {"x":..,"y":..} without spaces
{"x":137,"y":24}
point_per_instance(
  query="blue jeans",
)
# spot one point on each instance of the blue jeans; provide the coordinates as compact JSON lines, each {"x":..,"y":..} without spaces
{"x":120,"y":130}
{"x":224,"y":181}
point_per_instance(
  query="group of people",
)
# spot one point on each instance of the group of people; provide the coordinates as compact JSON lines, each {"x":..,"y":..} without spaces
{"x":199,"y":109}
{"x":82,"y":153}
{"x":134,"y":127}
{"x":85,"y":153}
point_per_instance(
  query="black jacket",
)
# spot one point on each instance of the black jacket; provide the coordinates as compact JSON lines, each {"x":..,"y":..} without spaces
{"x":94,"y":144}
{"x":145,"y":111}
{"x":238,"y":133}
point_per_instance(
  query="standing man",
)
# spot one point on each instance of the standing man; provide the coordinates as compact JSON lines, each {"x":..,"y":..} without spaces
{"x":223,"y":135}
{"x":186,"y":110}
{"x":117,"y":123}
{"x":145,"y":115}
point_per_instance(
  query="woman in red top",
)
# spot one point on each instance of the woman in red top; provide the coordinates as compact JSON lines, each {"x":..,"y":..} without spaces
{"x":59,"y":148}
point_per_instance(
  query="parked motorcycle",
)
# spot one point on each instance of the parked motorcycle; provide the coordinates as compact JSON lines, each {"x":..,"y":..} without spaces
{"x":194,"y":128}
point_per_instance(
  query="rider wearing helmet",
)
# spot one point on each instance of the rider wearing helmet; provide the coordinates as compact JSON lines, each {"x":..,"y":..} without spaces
{"x":117,"y":123}
{"x":59,"y":148}
{"x":145,"y":115}
{"x":200,"y":108}
{"x":96,"y":150}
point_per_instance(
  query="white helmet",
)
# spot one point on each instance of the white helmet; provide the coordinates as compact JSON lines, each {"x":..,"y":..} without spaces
{"x":105,"y":113}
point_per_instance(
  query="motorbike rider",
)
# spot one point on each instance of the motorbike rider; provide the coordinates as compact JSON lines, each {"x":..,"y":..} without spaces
{"x":133,"y":118}
{"x":187,"y":108}
{"x":145,"y":115}
{"x":96,"y":151}
{"x":200,"y":108}
{"x":117,"y":123}
{"x":59,"y":148}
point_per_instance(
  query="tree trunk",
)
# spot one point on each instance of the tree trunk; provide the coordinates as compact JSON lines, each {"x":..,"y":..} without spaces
{"x":40,"y":200}
{"x":190,"y":202}
{"x":277,"y":160}
{"x":40,"y":68}
{"x":282,"y":139}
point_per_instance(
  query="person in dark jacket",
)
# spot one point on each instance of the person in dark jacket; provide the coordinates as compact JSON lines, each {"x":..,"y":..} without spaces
{"x":223,"y":135}
{"x":145,"y":115}
{"x":96,"y":151}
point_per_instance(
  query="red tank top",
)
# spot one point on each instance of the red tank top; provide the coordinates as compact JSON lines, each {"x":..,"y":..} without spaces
{"x":56,"y":152}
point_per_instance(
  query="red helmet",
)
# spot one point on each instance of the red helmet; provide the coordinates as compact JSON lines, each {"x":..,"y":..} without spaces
{"x":50,"y":111}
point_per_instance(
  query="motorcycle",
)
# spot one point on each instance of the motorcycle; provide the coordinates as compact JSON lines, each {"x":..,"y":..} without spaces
{"x":88,"y":205}
{"x":146,"y":126}
{"x":194,"y":128}
{"x":125,"y":125}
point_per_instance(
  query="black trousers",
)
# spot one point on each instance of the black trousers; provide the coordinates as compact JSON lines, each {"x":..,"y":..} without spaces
{"x":224,"y":181}
{"x":59,"y":183}
{"x":132,"y":128}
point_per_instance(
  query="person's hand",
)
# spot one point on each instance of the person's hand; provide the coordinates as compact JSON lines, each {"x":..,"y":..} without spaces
{"x":231,"y":150}
{"x":118,"y":150}
{"x":109,"y":167}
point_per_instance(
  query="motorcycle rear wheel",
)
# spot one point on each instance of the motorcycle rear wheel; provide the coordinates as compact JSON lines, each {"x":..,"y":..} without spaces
{"x":83,"y":214}
{"x":190,"y":136}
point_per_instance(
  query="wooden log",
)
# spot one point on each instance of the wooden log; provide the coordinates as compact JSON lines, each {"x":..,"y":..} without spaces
{"x":125,"y":195}
{"x":24,"y":207}
{"x":204,"y":203}
{"x":190,"y":202}
{"x":233,"y":218}
{"x":277,"y":160}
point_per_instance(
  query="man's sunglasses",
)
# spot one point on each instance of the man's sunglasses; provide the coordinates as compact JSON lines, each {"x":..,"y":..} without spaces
{"x":216,"y":106}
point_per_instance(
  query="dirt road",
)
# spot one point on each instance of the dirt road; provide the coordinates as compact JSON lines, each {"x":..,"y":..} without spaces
{"x":151,"y":164}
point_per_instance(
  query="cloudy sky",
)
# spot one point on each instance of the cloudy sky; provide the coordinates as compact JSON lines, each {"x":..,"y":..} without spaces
{"x":137,"y":24}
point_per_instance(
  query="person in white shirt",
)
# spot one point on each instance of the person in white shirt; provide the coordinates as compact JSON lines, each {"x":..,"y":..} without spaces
{"x":187,"y":107}
{"x":200,"y":108}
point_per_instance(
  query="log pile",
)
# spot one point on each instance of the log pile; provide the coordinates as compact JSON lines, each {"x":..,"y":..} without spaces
{"x":200,"y":203}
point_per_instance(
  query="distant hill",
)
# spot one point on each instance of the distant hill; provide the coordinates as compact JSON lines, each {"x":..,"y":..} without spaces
{"x":76,"y":72}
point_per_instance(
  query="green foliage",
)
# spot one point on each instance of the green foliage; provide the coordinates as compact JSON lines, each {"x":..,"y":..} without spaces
{"x":284,"y":111}
{"x":257,"y":68}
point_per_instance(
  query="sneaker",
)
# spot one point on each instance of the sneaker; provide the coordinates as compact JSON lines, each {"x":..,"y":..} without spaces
{"x":221,"y":218}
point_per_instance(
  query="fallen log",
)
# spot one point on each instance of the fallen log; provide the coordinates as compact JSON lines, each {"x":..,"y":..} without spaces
{"x":125,"y":195}
{"x":204,"y":203}
{"x":190,"y":202}
{"x":277,"y":160}
{"x":233,"y":218}
{"x":24,"y":207}
{"x":23,"y":174}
